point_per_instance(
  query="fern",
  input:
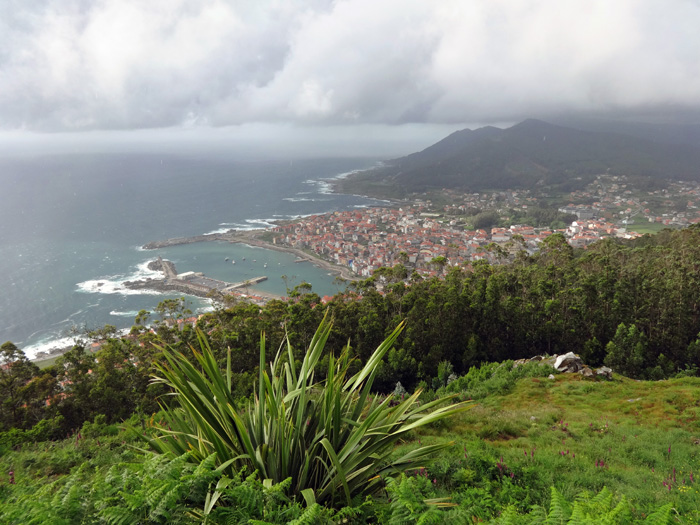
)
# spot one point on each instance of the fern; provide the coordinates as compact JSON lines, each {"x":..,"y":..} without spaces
{"x":311,"y":516}
{"x":597,"y":510}
{"x":621,"y":513}
{"x":603,"y":499}
{"x":559,"y":509}
{"x":118,"y":516}
{"x":578,"y":515}
{"x":408,"y":503}
{"x":661,"y":516}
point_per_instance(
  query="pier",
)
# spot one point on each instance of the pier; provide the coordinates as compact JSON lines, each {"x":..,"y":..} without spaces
{"x":201,"y":282}
{"x":193,"y":283}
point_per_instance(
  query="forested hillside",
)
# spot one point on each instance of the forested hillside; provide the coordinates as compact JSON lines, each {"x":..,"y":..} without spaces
{"x":531,"y":153}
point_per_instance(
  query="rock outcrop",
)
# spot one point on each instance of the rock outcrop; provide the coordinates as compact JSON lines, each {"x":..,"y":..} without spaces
{"x":568,"y":363}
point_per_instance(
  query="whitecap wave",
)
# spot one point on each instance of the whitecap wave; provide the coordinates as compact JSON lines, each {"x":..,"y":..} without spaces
{"x":346,"y":174}
{"x":114,"y":284}
{"x":130,"y":313}
{"x":298,"y":199}
{"x":325,"y":188}
{"x":265,"y":223}
{"x":55,"y":342}
{"x":220,"y":230}
{"x":49,"y":344}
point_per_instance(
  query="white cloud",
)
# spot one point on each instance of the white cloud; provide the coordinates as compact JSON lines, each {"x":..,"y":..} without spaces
{"x":111,"y":64}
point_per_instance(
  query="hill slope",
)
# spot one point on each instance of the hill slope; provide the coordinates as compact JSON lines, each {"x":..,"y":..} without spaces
{"x":535,"y":152}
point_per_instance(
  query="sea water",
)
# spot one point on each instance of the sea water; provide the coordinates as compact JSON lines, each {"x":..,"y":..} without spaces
{"x":72,"y":227}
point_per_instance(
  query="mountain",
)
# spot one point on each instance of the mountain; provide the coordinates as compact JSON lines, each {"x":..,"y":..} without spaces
{"x":656,"y":132}
{"x":536,"y":152}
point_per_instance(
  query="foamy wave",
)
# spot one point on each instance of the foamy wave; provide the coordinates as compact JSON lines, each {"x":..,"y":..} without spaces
{"x":265,"y":223}
{"x":48,"y":345}
{"x":53,"y":343}
{"x":115,"y":283}
{"x":346,"y":174}
{"x":298,"y":199}
{"x":130,"y":313}
{"x":220,"y":230}
{"x":325,"y":188}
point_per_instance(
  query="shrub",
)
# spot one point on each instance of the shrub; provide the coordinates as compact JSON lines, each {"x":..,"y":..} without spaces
{"x":331,"y":437}
{"x":495,"y":378}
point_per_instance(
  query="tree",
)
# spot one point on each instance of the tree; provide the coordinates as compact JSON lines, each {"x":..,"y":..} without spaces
{"x":16,"y":371}
{"x":626,"y":353}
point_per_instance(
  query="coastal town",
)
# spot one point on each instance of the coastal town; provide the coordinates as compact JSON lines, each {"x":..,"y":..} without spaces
{"x":430,"y":239}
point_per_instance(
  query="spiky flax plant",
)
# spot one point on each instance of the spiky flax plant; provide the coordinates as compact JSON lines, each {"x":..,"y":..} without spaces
{"x":330,"y":435}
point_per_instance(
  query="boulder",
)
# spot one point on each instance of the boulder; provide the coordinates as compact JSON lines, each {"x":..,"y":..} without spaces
{"x":604,"y":371}
{"x":568,"y":363}
{"x":586,"y":372}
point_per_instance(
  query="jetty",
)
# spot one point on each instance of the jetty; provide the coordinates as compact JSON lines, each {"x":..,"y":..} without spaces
{"x":192,"y":283}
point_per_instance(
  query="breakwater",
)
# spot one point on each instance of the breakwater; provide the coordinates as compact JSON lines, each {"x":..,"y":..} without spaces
{"x":228,"y":236}
{"x":192,"y":283}
{"x":251,"y":238}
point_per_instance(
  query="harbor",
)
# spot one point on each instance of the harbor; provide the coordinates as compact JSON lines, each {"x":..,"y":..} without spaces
{"x":196,"y":283}
{"x":253,"y":238}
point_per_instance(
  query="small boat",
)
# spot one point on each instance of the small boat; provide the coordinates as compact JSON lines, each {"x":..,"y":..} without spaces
{"x":233,"y":262}
{"x":244,"y":258}
{"x":265,"y":265}
{"x":255,"y":260}
{"x":226,"y":259}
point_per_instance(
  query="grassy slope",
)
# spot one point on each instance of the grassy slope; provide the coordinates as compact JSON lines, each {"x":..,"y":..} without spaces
{"x":566,"y":425}
{"x":572,"y":424}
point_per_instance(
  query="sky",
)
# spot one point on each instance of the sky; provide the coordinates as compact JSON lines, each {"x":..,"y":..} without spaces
{"x":369,"y":74}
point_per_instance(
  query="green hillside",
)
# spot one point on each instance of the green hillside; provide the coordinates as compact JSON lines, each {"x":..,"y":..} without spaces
{"x":530,"y":447}
{"x":530,"y":153}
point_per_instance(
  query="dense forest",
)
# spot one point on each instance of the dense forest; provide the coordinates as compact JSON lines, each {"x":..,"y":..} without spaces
{"x":631,"y":305}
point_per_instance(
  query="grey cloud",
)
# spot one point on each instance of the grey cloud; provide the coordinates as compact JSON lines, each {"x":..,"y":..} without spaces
{"x":123,"y":64}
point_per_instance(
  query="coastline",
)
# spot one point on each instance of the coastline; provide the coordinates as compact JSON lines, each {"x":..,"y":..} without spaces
{"x":251,"y":238}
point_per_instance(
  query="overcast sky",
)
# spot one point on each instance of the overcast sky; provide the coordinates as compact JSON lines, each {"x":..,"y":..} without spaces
{"x":347,"y":68}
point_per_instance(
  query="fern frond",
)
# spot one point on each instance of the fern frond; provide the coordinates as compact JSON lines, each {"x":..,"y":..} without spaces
{"x":559,"y":509}
{"x":661,"y":516}
{"x":118,"y":516}
{"x":311,"y":516}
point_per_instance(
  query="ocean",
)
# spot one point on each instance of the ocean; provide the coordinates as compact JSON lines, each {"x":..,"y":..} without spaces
{"x":72,"y":227}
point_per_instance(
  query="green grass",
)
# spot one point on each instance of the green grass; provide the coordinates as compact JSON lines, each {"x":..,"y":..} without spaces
{"x":524,"y":436}
{"x":647,"y":227}
{"x":45,"y":363}
{"x":578,"y":435}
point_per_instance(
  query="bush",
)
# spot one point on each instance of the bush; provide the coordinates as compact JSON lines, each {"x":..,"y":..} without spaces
{"x":331,"y":437}
{"x":494,"y":378}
